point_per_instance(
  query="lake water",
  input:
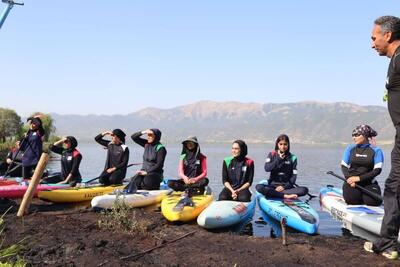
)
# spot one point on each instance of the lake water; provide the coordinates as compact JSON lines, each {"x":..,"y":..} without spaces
{"x":313,"y":163}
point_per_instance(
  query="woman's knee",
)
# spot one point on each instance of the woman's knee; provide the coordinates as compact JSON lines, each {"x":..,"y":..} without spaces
{"x":260,"y":188}
{"x":244,"y":196}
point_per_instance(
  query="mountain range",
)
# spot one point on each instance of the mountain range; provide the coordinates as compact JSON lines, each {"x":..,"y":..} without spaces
{"x":305,"y":122}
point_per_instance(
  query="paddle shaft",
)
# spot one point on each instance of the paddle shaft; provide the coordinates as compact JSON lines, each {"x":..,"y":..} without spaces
{"x":12,"y":162}
{"x":364,"y":190}
{"x":103,"y":174}
{"x":310,"y":195}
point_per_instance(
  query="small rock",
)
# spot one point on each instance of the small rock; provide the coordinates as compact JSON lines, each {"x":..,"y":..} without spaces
{"x":101,"y":243}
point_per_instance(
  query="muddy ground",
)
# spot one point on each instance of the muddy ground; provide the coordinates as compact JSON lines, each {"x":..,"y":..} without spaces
{"x":57,"y":235}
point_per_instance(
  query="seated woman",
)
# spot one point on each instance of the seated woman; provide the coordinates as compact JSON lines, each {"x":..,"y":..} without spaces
{"x":117,"y":157}
{"x":70,"y":161}
{"x":237,"y":174}
{"x":361,"y":164}
{"x":12,"y":165}
{"x":151,"y":173}
{"x":192,"y":168}
{"x":283,"y":167}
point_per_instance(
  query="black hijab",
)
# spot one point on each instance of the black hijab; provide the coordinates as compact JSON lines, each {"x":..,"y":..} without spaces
{"x":157,"y":136}
{"x":243,"y":150}
{"x":72,"y":140}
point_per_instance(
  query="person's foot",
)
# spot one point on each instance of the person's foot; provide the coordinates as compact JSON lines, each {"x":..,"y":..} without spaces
{"x":389,"y":253}
{"x":368,"y":246}
{"x":290,"y":196}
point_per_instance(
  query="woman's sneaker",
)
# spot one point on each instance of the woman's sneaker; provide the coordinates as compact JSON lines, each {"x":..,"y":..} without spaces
{"x":389,"y":253}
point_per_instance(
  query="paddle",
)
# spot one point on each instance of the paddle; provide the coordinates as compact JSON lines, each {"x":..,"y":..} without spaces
{"x":104,"y":174}
{"x":366,"y":191}
{"x":186,"y":200}
{"x":16,"y":155}
{"x":310,"y":195}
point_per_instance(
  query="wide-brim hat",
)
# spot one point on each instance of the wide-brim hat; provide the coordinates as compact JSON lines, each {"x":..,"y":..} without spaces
{"x":191,"y":138}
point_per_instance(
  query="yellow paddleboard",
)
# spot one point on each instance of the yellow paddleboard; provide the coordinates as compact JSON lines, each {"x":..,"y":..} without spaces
{"x":77,"y":194}
{"x":187,"y":213}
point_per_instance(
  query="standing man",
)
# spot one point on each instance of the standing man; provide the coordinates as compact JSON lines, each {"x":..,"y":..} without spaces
{"x":386,"y":41}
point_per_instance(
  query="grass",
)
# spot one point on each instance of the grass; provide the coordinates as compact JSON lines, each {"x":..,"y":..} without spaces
{"x":123,"y":218}
{"x":11,"y":253}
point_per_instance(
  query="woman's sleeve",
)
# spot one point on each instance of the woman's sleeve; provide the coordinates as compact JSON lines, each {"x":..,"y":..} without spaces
{"x":225,"y":176}
{"x":136,"y":137}
{"x":271,"y":162}
{"x":99,"y":139}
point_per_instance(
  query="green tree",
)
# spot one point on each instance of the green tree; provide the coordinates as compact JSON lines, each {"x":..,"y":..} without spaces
{"x":10,"y":124}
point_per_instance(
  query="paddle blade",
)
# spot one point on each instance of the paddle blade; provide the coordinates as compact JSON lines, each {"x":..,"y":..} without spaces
{"x":185,"y":201}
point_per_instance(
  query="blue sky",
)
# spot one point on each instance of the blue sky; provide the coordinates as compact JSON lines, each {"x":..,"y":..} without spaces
{"x":107,"y":57}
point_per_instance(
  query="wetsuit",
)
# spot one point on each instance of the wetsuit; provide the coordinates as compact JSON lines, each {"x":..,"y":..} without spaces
{"x":192,"y":167}
{"x":15,"y":170}
{"x":70,"y":161}
{"x":118,"y":157}
{"x":31,"y":146}
{"x":237,"y":172}
{"x":365,"y":161}
{"x":391,"y":219}
{"x":153,"y":163}
{"x":283,"y":173}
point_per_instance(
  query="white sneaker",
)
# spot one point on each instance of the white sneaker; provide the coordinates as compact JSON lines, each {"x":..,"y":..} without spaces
{"x":388,"y":253}
{"x":368,"y":246}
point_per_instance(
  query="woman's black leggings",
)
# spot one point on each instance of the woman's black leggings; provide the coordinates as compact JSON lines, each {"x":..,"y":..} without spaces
{"x":269,"y":191}
{"x":354,"y":196}
{"x":243,"y":195}
{"x":150,"y":181}
{"x":179,"y":185}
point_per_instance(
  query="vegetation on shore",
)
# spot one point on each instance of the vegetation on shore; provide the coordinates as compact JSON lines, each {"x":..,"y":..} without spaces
{"x":12,"y":129}
{"x":10,"y":255}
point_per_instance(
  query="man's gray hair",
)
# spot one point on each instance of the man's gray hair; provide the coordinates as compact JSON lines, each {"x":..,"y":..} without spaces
{"x":389,"y":24}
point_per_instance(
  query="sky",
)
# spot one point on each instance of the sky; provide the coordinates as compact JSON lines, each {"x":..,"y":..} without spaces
{"x":117,"y":57}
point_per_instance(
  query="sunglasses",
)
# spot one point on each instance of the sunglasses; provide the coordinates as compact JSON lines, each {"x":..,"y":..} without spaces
{"x":356,"y":135}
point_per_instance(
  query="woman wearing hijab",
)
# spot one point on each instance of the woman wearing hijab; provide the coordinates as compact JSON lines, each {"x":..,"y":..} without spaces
{"x":282,"y":165}
{"x":12,"y":162}
{"x":192,"y":168}
{"x":151,"y":173}
{"x":361,"y":164}
{"x":237,"y":174}
{"x":70,"y":161}
{"x":117,"y":157}
{"x":32,"y":146}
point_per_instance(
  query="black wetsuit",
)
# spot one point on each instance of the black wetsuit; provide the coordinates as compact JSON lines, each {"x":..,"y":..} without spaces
{"x":153,"y":163}
{"x":237,"y":172}
{"x":118,"y":157}
{"x":366,"y":162}
{"x":283,"y":173}
{"x":70,"y":161}
{"x":15,"y":170}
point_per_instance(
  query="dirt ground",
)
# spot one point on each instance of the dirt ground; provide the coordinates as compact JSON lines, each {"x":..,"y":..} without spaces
{"x":57,"y":235}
